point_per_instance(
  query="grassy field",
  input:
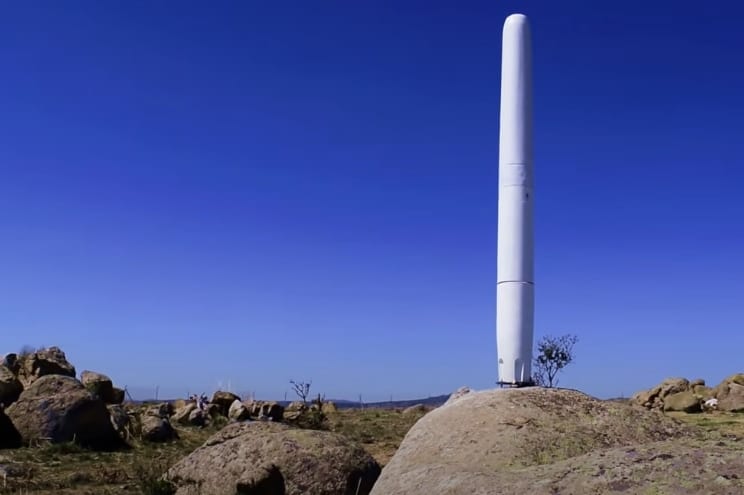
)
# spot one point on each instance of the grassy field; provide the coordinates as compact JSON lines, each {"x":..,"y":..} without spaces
{"x":66,"y":469}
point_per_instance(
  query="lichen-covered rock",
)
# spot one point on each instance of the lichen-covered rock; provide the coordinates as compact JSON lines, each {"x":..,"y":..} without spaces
{"x":732,"y":399}
{"x":673,"y":386}
{"x":59,"y":409}
{"x":50,"y":361}
{"x":647,"y":398}
{"x":683,"y":402}
{"x":272,"y":458}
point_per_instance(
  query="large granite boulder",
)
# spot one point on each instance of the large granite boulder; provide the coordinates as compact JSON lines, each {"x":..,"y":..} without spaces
{"x":59,"y":409}
{"x":687,"y":402}
{"x":43,"y":362}
{"x":730,"y":393}
{"x":272,"y":458}
{"x":544,"y":441}
{"x":10,"y":387}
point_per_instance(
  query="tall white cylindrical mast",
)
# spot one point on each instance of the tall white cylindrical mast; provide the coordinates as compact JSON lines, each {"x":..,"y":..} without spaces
{"x":515,"y":289}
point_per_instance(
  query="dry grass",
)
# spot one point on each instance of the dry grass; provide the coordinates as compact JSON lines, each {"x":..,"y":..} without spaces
{"x":380,"y":431}
{"x":715,"y":423}
{"x":67,"y":469}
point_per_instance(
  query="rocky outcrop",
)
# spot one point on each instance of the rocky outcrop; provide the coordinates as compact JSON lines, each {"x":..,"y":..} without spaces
{"x":10,"y":387}
{"x":50,"y":361}
{"x":266,"y":457}
{"x":223,"y":400}
{"x":59,"y":409}
{"x":507,"y":440}
{"x":269,"y":410}
{"x":678,"y":394}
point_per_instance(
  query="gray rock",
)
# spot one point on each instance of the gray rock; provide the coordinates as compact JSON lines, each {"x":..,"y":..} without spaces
{"x":59,"y":409}
{"x":732,"y":400}
{"x":252,"y":456}
{"x":683,"y":402}
{"x":673,"y":386}
{"x":500,"y":441}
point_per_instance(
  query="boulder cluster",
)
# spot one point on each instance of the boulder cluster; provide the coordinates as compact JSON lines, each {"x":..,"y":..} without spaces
{"x":224,"y":406}
{"x":41,"y":400}
{"x":680,"y":394}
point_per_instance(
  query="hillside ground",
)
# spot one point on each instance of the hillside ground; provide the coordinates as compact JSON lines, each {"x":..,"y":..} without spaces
{"x":66,"y":469}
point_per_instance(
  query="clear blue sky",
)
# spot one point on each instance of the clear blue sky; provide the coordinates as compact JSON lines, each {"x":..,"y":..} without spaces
{"x":258,"y":191}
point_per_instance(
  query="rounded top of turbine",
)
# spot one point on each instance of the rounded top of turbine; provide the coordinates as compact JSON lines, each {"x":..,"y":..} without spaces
{"x":516,"y":20}
{"x":517,"y":23}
